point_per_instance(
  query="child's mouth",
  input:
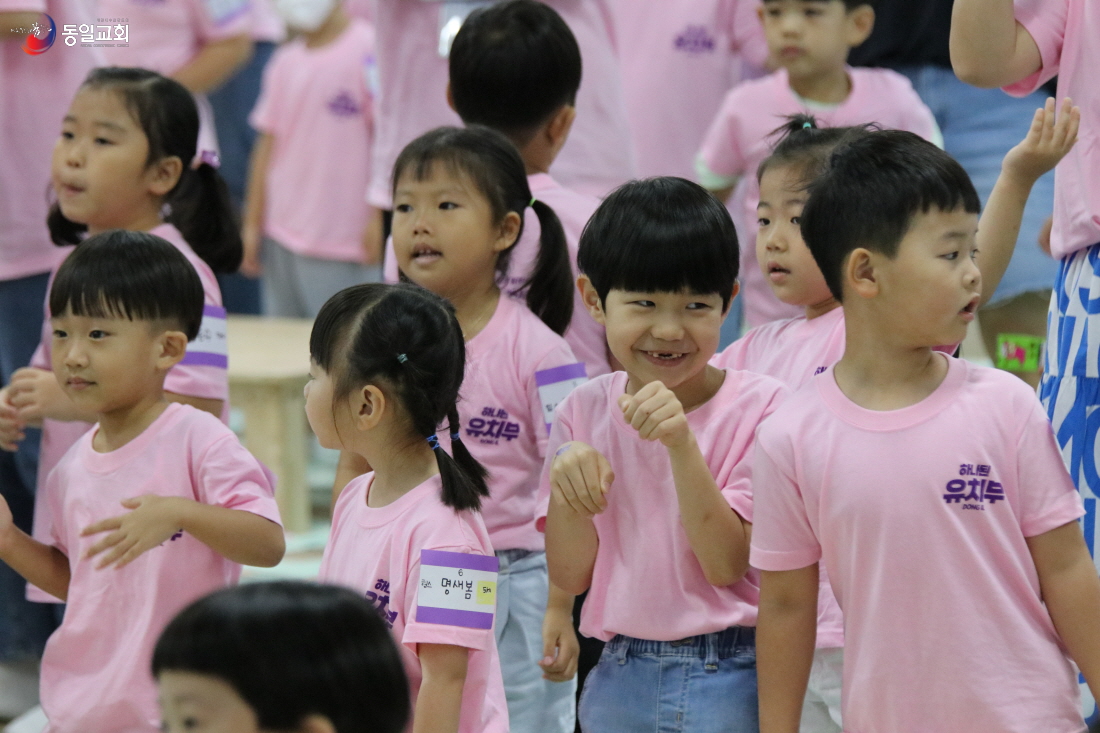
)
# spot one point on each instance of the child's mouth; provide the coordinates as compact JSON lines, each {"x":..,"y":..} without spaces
{"x":776,"y":273}
{"x":970,"y":309}
{"x":423,"y":254}
{"x":665,"y":358}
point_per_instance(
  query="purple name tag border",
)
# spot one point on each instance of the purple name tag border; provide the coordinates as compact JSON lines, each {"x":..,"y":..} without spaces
{"x":442,"y":558}
{"x":214,"y":310}
{"x":560,"y":374}
{"x":202,"y":358}
{"x":449,"y":617}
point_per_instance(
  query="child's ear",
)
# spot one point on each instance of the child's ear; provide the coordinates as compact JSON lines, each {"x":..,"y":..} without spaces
{"x":316,"y":724}
{"x":591,"y":299}
{"x":509,"y":231}
{"x":368,"y":406}
{"x":861,"y":21}
{"x":859,"y":274}
{"x":736,"y":290}
{"x":163,"y":175}
{"x":557,"y":129}
{"x":450,"y":98}
{"x":172,"y":346}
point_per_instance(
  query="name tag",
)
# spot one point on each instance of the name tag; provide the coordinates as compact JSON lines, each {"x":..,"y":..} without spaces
{"x":210,"y":347}
{"x":457,"y":589}
{"x":555,"y":385}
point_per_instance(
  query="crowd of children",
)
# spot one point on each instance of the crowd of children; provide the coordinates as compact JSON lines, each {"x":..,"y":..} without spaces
{"x":563,"y":501}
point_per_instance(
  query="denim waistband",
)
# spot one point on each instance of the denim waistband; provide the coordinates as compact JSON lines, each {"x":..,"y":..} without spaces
{"x":511,"y":556}
{"x":718,"y":645}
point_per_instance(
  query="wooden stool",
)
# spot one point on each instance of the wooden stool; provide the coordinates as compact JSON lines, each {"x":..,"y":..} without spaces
{"x":268,"y":368}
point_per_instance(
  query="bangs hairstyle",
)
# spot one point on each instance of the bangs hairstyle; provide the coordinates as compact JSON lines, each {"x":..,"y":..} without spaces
{"x":199,"y":205}
{"x":409,"y":340}
{"x":661,"y":235}
{"x":804,"y":145}
{"x":290,"y":650}
{"x":512,"y":66}
{"x":131,"y":275}
{"x":491,"y":161}
{"x":869,"y":193}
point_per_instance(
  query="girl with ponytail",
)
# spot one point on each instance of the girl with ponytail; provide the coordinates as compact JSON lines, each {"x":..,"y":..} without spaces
{"x":387,"y":362}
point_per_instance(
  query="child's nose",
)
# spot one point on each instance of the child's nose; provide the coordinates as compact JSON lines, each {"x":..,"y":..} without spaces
{"x":667,"y":329}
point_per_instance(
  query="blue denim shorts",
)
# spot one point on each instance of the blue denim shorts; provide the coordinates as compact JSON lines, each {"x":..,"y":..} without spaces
{"x":702,"y":684}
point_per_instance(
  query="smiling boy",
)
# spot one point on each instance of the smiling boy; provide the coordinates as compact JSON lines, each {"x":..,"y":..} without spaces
{"x":652,"y":464}
{"x":932,"y":489}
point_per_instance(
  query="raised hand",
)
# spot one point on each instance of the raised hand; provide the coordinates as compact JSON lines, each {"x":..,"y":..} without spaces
{"x":580,"y":478}
{"x":152,"y":522}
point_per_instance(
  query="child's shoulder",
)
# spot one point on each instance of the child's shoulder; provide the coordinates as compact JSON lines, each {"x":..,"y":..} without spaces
{"x":876,"y":80}
{"x":744,"y":395}
{"x":534,"y":340}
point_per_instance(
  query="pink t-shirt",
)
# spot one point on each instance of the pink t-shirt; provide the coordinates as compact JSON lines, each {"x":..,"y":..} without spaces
{"x":679,"y":59}
{"x":792,"y":350}
{"x":738,"y":141}
{"x":511,"y":366}
{"x":1068,"y":35}
{"x":378,"y":552}
{"x":95,"y":670}
{"x":34,"y":97}
{"x":316,"y":105}
{"x":586,"y":337}
{"x":921,"y":516}
{"x":413,"y":83}
{"x":641,"y":521}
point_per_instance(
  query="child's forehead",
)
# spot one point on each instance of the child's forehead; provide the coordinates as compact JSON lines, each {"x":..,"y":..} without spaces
{"x":625,"y":292}
{"x":944,"y":225}
{"x":435,"y":174}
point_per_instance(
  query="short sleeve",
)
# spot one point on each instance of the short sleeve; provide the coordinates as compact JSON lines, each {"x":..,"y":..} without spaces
{"x":264,"y":116}
{"x":1045,"y":21}
{"x":720,"y":158}
{"x":561,"y":432}
{"x":782,"y":537}
{"x":554,"y":376}
{"x":424,"y":632}
{"x":232,"y":478}
{"x":1048,"y":498}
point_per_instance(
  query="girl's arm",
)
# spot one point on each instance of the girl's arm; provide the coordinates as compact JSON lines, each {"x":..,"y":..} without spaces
{"x":580,"y":478}
{"x":1071,"y":591}
{"x":215,"y":63}
{"x":718,"y":535}
{"x":786,"y":633}
{"x":439,"y":702}
{"x":41,"y":565}
{"x":1047,"y":142}
{"x":560,"y":649}
{"x":237,"y":535}
{"x":989,"y":48}
{"x":255,"y":201}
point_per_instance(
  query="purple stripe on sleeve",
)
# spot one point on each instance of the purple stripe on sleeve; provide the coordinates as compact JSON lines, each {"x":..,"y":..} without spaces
{"x":448,"y":617}
{"x":442,"y":558}
{"x":202,"y":358}
{"x":560,"y":374}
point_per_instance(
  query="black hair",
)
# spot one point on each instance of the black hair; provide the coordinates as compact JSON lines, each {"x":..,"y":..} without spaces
{"x":199,"y":205}
{"x":292,"y":649}
{"x":512,"y":66}
{"x":806,"y":145}
{"x":494,"y":165}
{"x":132,"y":275}
{"x":661,"y":235}
{"x":869,"y":193}
{"x":408,"y":339}
{"x":849,"y":5}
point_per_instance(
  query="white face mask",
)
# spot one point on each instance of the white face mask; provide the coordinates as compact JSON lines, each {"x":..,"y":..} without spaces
{"x":305,"y":15}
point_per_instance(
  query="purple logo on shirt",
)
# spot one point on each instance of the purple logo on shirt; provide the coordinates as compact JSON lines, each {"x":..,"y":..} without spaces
{"x":381,"y":601}
{"x":975,"y":491}
{"x":820,"y":370}
{"x":695,"y":39}
{"x":176,"y":536}
{"x":343,"y":105}
{"x":491,"y":430}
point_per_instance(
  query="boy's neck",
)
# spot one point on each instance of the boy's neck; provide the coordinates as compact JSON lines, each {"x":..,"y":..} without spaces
{"x":820,"y":309}
{"x":537,"y":158}
{"x":828,"y":87}
{"x":880,"y":372}
{"x":119,"y":426}
{"x":330,"y":30}
{"x":398,"y":470}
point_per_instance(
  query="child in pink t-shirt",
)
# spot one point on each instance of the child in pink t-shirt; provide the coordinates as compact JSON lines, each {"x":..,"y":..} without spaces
{"x":306,"y":206}
{"x":659,"y":534}
{"x":906,"y":470}
{"x":797,"y":349}
{"x":124,"y":306}
{"x":387,"y":362}
{"x":810,"y":40}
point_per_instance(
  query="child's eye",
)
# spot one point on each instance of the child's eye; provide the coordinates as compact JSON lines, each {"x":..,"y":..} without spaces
{"x":448,"y":205}
{"x":796,"y":220}
{"x":812,"y":12}
{"x":67,"y":135}
{"x":103,"y":141}
{"x":762,"y":222}
{"x":698,"y":306}
{"x":59,"y":334}
{"x":97,"y":333}
{"x":644,"y":303}
{"x":402,"y":208}
{"x":773,"y":12}
{"x":951,"y":256}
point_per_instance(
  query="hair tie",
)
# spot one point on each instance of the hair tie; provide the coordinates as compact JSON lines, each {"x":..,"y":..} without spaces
{"x":533,"y":200}
{"x":402,"y":358}
{"x":455,"y":437}
{"x":210,"y":157}
{"x":807,"y":125}
{"x":433,"y":441}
